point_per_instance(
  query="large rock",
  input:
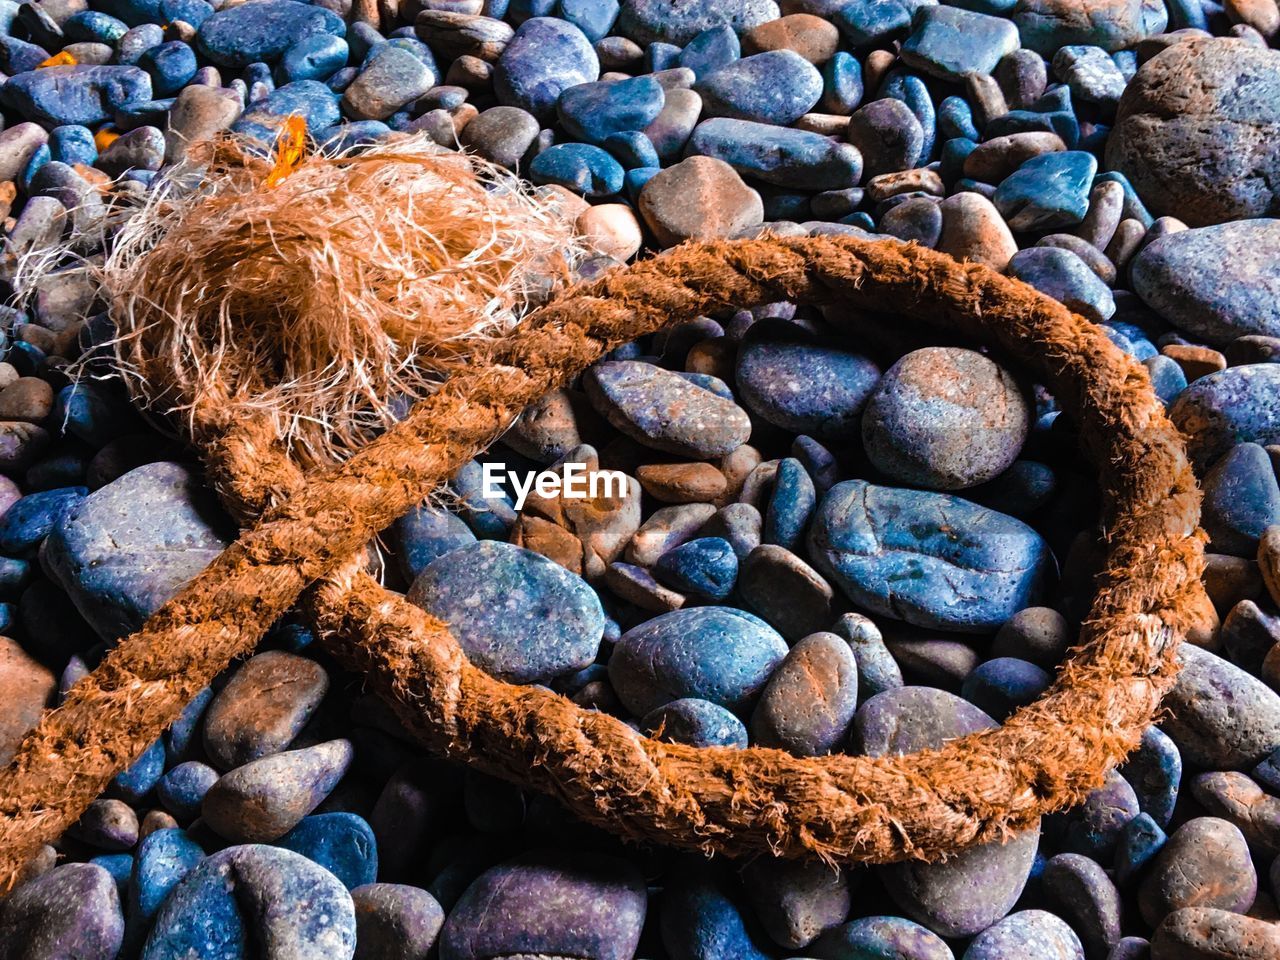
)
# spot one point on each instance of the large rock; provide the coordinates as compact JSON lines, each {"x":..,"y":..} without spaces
{"x":1198,"y":132}
{"x":1048,"y":25}
{"x":678,"y":22}
{"x":1215,"y":283}
{"x":262,"y":30}
{"x":927,"y":558}
{"x":54,"y":96}
{"x":129,"y":546}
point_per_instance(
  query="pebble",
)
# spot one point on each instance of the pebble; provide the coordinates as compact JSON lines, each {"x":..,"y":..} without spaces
{"x":810,"y":699}
{"x":1183,"y":277}
{"x":1048,"y":191}
{"x":972,"y":229}
{"x":1154,"y":771}
{"x":265,"y":799}
{"x":1241,"y":499}
{"x":787,"y":592}
{"x":306,"y":914}
{"x":1189,"y":144}
{"x":182,"y":789}
{"x":1205,"y":863}
{"x":801,"y":384}
{"x":670,"y":21}
{"x":391,"y":78}
{"x":549,"y":902}
{"x":1048,"y":25}
{"x":1237,"y":405}
{"x":544,"y":58}
{"x":698,"y":198}
{"x":1221,"y":717}
{"x":75,"y":94}
{"x":125,"y":549}
{"x":585,"y":169}
{"x":1067,"y":278}
{"x":887,"y":135}
{"x":718,"y":654}
{"x":699,"y":723}
{"x":262,"y":31}
{"x":951,"y":43}
{"x":163,"y":859}
{"x":1079,"y":890}
{"x":810,"y":36}
{"x":666,"y":411}
{"x":1207,"y":933}
{"x":796,"y":901}
{"x":71,"y":911}
{"x":26,"y":688}
{"x":880,"y":937}
{"x":706,"y":568}
{"x":1001,"y":685}
{"x":1041,"y":933}
{"x":1242,"y":801}
{"x":342,"y":843}
{"x":777,"y":87}
{"x":782,"y":156}
{"x":395,"y":921}
{"x":516,"y":614}
{"x":930,"y":559}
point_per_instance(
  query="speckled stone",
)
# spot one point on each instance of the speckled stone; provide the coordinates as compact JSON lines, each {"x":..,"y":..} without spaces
{"x":666,"y":411}
{"x":26,"y":688}
{"x":1241,"y":500}
{"x":670,"y":21}
{"x":544,"y":58}
{"x":516,"y":614}
{"x":699,"y":723}
{"x":945,"y":418}
{"x":783,"y":156}
{"x":1206,"y":933}
{"x":887,"y":551}
{"x":787,"y":592}
{"x":1067,"y":278}
{"x":1047,"y":25}
{"x":73,"y":911}
{"x":777,"y":87}
{"x":698,"y":198}
{"x":1079,"y":890}
{"x":549,"y":903}
{"x":796,"y":901}
{"x":880,"y":938}
{"x":810,"y":699}
{"x":262,"y":31}
{"x":75,"y":94}
{"x":711,"y":653}
{"x":1026,"y":933}
{"x":1048,"y":191}
{"x":1198,"y":132}
{"x":1237,"y":405}
{"x":948,"y":42}
{"x":1093,"y":828}
{"x":1154,"y":771}
{"x":1205,"y":863}
{"x":395,"y":922}
{"x":1216,"y":283}
{"x":1222,"y":718}
{"x":972,"y":229}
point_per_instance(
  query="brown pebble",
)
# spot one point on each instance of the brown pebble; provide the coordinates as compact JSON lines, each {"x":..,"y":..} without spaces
{"x":1205,"y":863}
{"x":26,"y":688}
{"x":1238,"y":799}
{"x":1204,"y":933}
{"x":714,"y":357}
{"x":972,"y":229}
{"x":1262,"y":15}
{"x":921,"y":179}
{"x":681,"y":482}
{"x":636,"y":585}
{"x":874,"y":68}
{"x":827,"y":124}
{"x":611,"y":229}
{"x":698,"y":198}
{"x":1126,"y":241}
{"x":998,"y":157}
{"x":1228,"y":580}
{"x":27,"y":399}
{"x":1269,"y":561}
{"x":454,"y":35}
{"x":549,"y":539}
{"x":812,"y":37}
{"x":1196,"y":362}
{"x":736,"y":467}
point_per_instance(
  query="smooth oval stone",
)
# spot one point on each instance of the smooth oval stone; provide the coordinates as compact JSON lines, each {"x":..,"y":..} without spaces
{"x":426,"y":533}
{"x":1000,"y":686}
{"x":395,"y":922}
{"x":390,"y":79}
{"x":1048,"y":191}
{"x":1198,"y":132}
{"x":312,"y":101}
{"x":978,"y":886}
{"x":75,"y":94}
{"x":1154,"y":771}
{"x":1236,"y":405}
{"x":516,"y":614}
{"x":777,"y":87}
{"x":1205,"y":863}
{"x":710,"y":653}
{"x":1032,"y":933}
{"x":1221,"y":718}
{"x":129,"y":546}
{"x":1093,"y":828}
{"x":945,"y":418}
{"x":342,"y":843}
{"x":261,"y":31}
{"x":949,"y":43}
{"x":701,"y":916}
{"x":783,"y":156}
{"x":1214,"y":283}
{"x":266,"y":703}
{"x":73,"y":911}
{"x":1206,"y":933}
{"x":927,"y":558}
{"x":544,"y":58}
{"x":1067,"y":278}
{"x":815,"y":387}
{"x":162,"y":860}
{"x":666,"y":411}
{"x":1241,"y":500}
{"x":182,"y":788}
{"x":796,"y":901}
{"x":785,"y":591}
{"x":580,"y":167}
{"x":287,"y":907}
{"x":594,"y":111}
{"x":810,"y":699}
{"x":263,"y":800}
{"x":1078,"y":889}
{"x":1244,"y":801}
{"x":880,"y":938}
{"x":670,"y":21}
{"x":699,"y":723}
{"x":549,"y":902}
{"x":706,"y":567}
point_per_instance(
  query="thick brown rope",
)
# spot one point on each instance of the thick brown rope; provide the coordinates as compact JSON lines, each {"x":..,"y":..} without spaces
{"x":928,"y":805}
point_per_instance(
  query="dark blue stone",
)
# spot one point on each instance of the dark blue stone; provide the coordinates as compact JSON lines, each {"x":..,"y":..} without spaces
{"x":90,"y":412}
{"x":138,"y":41}
{"x":179,"y":737}
{"x":1000,"y":686}
{"x":93,"y":26}
{"x":593,"y":17}
{"x":1241,"y":499}
{"x":928,"y":558}
{"x":593,"y":111}
{"x":425,"y":533}
{"x":1047,"y":191}
{"x":1140,"y":840}
{"x":633,"y":149}
{"x":778,"y":155}
{"x":490,"y":518}
{"x":579,"y":167}
{"x":710,"y":50}
{"x":1167,"y":378}
{"x":32,"y":518}
{"x":1093,"y":828}
{"x":842,"y":87}
{"x":815,"y":387}
{"x":311,"y":916}
{"x":790,"y":505}
{"x":136,"y":782}
{"x":515,"y":613}
{"x":162,"y":860}
{"x":120,"y":866}
{"x":955,"y":119}
{"x":342,"y":843}
{"x":700,"y":920}
{"x":182,"y":789}
{"x":15,"y":574}
{"x":317,"y":57}
{"x":171,"y":66}
{"x":706,"y":568}
{"x":678,"y":22}
{"x":72,"y":144}
{"x":699,"y":723}
{"x":263,"y":30}
{"x":712,"y":653}
{"x":309,"y":99}
{"x":81,"y":94}
{"x":19,"y":56}
{"x":869,"y":23}
{"x":1064,"y":276}
{"x":543,"y":59}
{"x":776,"y":87}
{"x":1236,"y":405}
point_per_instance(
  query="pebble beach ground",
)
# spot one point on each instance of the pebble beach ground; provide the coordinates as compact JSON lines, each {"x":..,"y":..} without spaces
{"x":837,"y":531}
